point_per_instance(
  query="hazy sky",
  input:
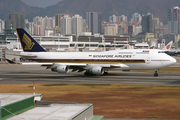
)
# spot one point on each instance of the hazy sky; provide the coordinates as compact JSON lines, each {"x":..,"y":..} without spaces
{"x":41,"y":3}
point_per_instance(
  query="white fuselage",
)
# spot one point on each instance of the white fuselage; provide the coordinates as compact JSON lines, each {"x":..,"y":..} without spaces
{"x":127,"y":59}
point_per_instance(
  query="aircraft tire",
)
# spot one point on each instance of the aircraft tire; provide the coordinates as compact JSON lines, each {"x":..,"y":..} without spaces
{"x":105,"y":73}
{"x":155,"y":74}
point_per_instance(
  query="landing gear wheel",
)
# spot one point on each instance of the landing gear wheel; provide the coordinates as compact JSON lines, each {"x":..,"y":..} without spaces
{"x":105,"y":73}
{"x":156,"y":73}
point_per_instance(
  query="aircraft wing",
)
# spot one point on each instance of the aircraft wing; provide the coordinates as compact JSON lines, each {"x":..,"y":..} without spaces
{"x":77,"y":64}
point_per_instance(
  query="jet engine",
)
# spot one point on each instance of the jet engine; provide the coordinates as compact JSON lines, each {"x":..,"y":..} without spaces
{"x":96,"y":70}
{"x":61,"y":69}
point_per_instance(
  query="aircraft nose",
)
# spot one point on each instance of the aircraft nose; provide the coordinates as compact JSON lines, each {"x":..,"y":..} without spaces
{"x":173,"y":60}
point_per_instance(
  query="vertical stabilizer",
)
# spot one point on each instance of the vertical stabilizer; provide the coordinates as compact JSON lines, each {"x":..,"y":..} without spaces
{"x":168,"y":46}
{"x":28,"y":44}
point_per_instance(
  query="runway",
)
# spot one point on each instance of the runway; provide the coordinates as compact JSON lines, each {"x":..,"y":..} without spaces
{"x":19,"y":74}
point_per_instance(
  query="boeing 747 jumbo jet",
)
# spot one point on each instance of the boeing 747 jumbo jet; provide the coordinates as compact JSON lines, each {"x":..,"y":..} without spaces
{"x":93,"y":63}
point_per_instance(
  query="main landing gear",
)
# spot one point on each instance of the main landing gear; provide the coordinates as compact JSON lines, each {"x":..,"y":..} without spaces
{"x":105,"y":73}
{"x":156,"y":73}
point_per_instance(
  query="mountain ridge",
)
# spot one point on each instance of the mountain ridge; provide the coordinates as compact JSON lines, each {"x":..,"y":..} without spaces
{"x":107,"y":7}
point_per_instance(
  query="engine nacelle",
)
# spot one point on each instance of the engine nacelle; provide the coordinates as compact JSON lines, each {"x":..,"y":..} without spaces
{"x":62,"y":69}
{"x":96,"y":70}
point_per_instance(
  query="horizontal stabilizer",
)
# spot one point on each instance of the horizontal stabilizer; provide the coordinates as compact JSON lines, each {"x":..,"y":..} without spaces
{"x":10,"y":61}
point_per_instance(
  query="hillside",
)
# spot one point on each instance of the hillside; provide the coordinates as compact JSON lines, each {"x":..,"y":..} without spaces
{"x":16,"y":6}
{"x":117,"y":7}
{"x":107,"y":7}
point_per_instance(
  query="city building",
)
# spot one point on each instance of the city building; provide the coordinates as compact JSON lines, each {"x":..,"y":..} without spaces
{"x":160,"y":30}
{"x":122,"y":18}
{"x":173,"y":17}
{"x":2,"y":25}
{"x":155,"y":23}
{"x":110,"y":30}
{"x":94,"y":21}
{"x":145,"y":37}
{"x":131,"y":30}
{"x":121,"y":29}
{"x":16,"y":20}
{"x":113,"y":19}
{"x":48,"y":22}
{"x":30,"y":28}
{"x":37,"y":20}
{"x":77,"y":24}
{"x":138,"y":29}
{"x":66,"y":25}
{"x":58,"y":21}
{"x":136,"y":18}
{"x":39,"y":30}
{"x":147,"y":23}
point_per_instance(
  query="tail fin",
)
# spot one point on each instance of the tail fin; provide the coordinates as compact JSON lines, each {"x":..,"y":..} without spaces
{"x":168,"y":46}
{"x":27,"y":42}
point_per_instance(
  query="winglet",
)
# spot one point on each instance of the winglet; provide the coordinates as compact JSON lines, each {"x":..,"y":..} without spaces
{"x":168,"y":46}
{"x":27,"y":42}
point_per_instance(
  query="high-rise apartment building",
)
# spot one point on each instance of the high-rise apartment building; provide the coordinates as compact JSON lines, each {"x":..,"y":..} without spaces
{"x":65,"y":25}
{"x":77,"y":24}
{"x":39,"y":30}
{"x":48,"y":22}
{"x":2,"y":25}
{"x":110,"y":30}
{"x":131,"y":30}
{"x":94,"y":22}
{"x":113,"y":18}
{"x":122,"y":18}
{"x":58,"y":19}
{"x":16,"y":20}
{"x":155,"y":23}
{"x":173,"y":17}
{"x":30,"y":28}
{"x":37,"y":20}
{"x":147,"y":23}
{"x":136,"y":18}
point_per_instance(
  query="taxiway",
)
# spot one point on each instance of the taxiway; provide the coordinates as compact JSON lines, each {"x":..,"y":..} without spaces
{"x":19,"y":74}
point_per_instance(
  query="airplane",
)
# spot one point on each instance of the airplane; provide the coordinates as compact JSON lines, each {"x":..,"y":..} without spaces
{"x":169,"y":51}
{"x":166,"y":48}
{"x":173,"y":52}
{"x":93,"y":63}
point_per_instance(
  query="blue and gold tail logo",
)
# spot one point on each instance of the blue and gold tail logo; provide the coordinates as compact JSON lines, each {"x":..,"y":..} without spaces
{"x":28,"y":42}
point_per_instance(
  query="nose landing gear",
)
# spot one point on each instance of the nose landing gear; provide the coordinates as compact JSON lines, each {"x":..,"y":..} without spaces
{"x":156,"y":73}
